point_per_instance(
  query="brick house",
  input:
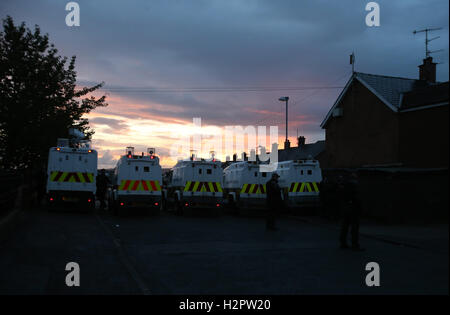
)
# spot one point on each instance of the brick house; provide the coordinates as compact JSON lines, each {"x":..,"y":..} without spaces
{"x":382,"y":121}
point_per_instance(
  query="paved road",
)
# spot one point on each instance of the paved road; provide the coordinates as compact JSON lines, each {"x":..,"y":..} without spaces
{"x":168,"y":254}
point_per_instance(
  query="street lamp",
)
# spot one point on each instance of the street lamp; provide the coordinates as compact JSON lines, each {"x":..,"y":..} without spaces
{"x":286,"y":99}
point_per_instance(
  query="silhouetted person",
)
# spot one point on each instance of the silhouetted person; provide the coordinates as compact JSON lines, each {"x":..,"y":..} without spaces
{"x":102,"y":182}
{"x":329,"y":198}
{"x":350,"y":206}
{"x":274,"y":202}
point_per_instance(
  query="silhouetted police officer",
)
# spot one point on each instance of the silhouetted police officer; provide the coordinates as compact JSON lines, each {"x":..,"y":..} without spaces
{"x":274,"y":202}
{"x":102,"y":182}
{"x":350,"y":211}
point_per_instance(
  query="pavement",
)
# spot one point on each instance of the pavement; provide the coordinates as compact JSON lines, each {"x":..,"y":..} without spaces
{"x":431,"y":237}
{"x":168,"y":254}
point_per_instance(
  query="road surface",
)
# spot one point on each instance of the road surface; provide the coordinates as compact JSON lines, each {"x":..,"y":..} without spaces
{"x":168,"y":254}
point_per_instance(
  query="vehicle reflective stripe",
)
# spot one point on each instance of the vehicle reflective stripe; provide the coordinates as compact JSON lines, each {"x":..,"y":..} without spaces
{"x":198,"y":186}
{"x":136,"y":184}
{"x":71,"y":177}
{"x":55,"y":175}
{"x":125,"y":185}
{"x":316,"y":187}
{"x":139,"y":185}
{"x":309,"y":187}
{"x":251,"y":188}
{"x":304,"y":187}
{"x":294,"y":187}
{"x":84,"y":177}
{"x":145,"y":184}
{"x":67,"y":177}
{"x":262,"y":188}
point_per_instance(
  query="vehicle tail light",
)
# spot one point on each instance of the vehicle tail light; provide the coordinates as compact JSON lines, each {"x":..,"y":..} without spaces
{"x":121,"y":203}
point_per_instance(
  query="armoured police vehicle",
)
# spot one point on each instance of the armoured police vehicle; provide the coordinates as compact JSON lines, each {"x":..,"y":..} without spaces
{"x":195,"y":183}
{"x":137,"y":182}
{"x":71,"y":173}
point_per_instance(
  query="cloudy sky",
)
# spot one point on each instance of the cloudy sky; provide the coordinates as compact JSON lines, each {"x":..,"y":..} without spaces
{"x":165,"y":62}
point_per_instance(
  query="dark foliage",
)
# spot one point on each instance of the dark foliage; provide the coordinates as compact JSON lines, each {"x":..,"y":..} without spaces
{"x":39,"y":98}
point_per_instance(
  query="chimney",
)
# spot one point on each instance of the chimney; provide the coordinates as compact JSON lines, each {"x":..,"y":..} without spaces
{"x":301,"y":141}
{"x":287,"y":144}
{"x":427,"y":70}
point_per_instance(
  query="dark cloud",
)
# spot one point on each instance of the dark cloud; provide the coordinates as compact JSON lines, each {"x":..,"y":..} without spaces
{"x":106,"y":159}
{"x":115,"y":125}
{"x":235,"y":43}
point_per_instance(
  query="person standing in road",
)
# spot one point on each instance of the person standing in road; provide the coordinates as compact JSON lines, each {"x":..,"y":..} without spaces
{"x":102,"y":182}
{"x":274,"y":201}
{"x":350,"y":206}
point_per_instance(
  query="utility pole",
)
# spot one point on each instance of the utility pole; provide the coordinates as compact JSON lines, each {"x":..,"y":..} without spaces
{"x":286,"y":99}
{"x":426,"y":31}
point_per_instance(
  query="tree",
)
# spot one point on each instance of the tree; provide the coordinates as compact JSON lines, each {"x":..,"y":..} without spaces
{"x":39,"y":97}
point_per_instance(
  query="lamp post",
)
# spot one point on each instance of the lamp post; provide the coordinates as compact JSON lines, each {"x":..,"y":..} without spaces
{"x":286,"y":99}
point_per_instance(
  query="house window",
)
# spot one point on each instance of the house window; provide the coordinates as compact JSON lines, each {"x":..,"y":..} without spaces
{"x":136,"y":168}
{"x":199,"y":170}
{"x":146,"y":169}
{"x":264,"y":174}
{"x":301,"y":172}
{"x":309,"y":172}
{"x":256,"y":174}
{"x":208,"y":171}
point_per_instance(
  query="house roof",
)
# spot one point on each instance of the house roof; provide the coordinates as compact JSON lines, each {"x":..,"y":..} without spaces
{"x":390,"y":88}
{"x":425,"y":96}
{"x":395,"y":92}
{"x":303,"y":152}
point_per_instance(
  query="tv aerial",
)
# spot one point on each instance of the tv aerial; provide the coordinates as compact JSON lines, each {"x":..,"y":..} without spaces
{"x":427,"y":41}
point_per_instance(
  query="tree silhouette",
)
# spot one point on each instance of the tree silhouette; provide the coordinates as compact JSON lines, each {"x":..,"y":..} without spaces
{"x":39,"y":99}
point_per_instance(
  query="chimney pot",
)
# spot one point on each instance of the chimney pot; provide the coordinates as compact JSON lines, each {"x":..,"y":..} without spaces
{"x":287,"y":144}
{"x":427,"y":70}
{"x":301,"y":141}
